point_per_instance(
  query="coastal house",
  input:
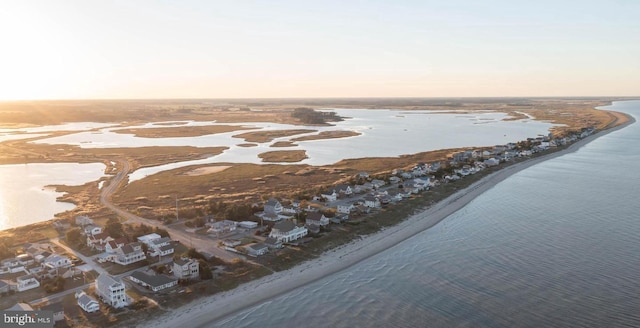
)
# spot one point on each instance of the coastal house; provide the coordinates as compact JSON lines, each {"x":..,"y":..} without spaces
{"x":248,"y":224}
{"x":161,"y":247}
{"x":154,"y":282}
{"x":62,"y":225}
{"x":332,"y":197}
{"x":377,"y":183}
{"x":57,"y":309}
{"x":345,"y":208}
{"x":273,"y":243}
{"x":91,"y":230}
{"x":317,"y":218}
{"x":186,"y":268}
{"x":56,"y":261}
{"x":221,"y":227}
{"x":113,"y":245}
{"x":82,"y":220}
{"x":87,"y":303}
{"x":257,"y":249}
{"x":27,"y":282}
{"x":25,"y":259}
{"x":395,"y":180}
{"x":343,"y":190}
{"x":130,"y":253}
{"x":111,"y":291}
{"x":5,"y":287}
{"x":98,"y":241}
{"x":286,"y":231}
{"x":272,"y":206}
{"x":231,"y":242}
{"x":146,"y":239}
{"x":371,"y":201}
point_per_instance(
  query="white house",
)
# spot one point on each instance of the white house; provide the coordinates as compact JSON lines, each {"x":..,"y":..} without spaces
{"x":111,"y":291}
{"x":332,"y":197}
{"x":148,"y":238}
{"x":343,"y":189}
{"x":98,"y":241}
{"x":286,"y":231}
{"x":317,"y":218}
{"x":371,"y":201}
{"x":154,"y":282}
{"x":27,"y":282}
{"x":57,"y":261}
{"x":184,"y":268}
{"x":222,"y":227}
{"x":248,"y":224}
{"x":130,"y":253}
{"x":346,"y":208}
{"x":87,"y":303}
{"x":92,"y":230}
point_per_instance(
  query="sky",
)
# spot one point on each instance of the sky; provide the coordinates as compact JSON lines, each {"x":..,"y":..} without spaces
{"x":141,"y":49}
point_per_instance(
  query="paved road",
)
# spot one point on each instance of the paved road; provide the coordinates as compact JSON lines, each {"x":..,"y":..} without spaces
{"x":86,"y":259}
{"x":201,"y":243}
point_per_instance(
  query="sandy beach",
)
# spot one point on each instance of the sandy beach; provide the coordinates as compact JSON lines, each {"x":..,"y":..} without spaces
{"x":206,"y":310}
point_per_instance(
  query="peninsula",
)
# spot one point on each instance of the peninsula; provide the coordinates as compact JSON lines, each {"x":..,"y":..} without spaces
{"x":346,"y":211}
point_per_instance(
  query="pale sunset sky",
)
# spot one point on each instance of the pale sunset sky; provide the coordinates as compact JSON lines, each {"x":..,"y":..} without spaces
{"x":269,"y":49}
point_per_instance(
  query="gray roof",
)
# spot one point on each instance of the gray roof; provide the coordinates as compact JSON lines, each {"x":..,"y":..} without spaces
{"x":153,"y":281}
{"x":257,"y":247}
{"x":54,"y":307}
{"x":161,"y":240}
{"x":181,"y":261}
{"x":85,"y":299}
{"x":105,"y":281}
{"x":284,"y":226}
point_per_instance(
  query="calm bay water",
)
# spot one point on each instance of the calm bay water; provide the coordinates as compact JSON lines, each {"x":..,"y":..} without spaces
{"x":556,"y":245}
{"x":24,"y":198}
{"x":383,"y":133}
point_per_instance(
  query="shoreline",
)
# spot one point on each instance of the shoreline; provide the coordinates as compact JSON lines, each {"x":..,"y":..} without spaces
{"x":216,"y":308}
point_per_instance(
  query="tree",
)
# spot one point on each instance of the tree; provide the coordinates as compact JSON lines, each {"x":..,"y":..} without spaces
{"x":161,"y":232}
{"x":74,"y":236}
{"x":205,"y":271}
{"x":194,"y":254}
{"x":114,"y":228}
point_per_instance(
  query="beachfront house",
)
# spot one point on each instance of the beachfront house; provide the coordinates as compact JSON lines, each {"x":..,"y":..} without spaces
{"x":317,"y":218}
{"x":345,"y":208}
{"x":371,"y":201}
{"x":56,"y":308}
{"x":87,"y":303}
{"x":257,"y":249}
{"x":154,"y":282}
{"x":111,"y":291}
{"x":286,"y":231}
{"x":186,"y":268}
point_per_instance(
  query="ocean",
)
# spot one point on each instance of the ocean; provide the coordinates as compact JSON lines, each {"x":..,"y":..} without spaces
{"x":555,"y":245}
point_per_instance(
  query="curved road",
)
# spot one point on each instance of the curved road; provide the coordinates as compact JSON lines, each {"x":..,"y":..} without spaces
{"x":202,"y":244}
